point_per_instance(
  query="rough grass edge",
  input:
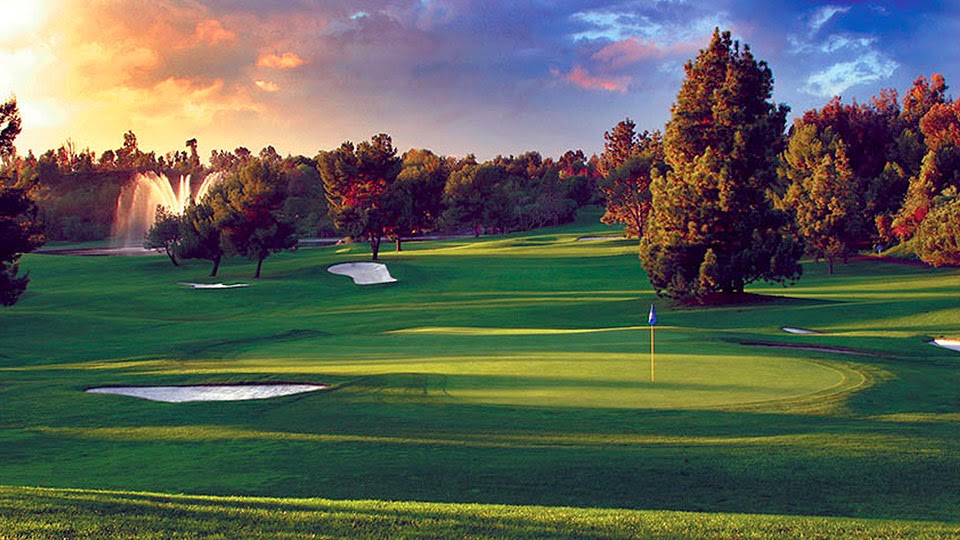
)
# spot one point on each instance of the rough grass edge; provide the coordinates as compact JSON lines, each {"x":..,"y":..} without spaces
{"x":27,"y":512}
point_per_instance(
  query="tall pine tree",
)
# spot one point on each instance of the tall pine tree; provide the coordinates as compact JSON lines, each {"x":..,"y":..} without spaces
{"x":713,"y":227}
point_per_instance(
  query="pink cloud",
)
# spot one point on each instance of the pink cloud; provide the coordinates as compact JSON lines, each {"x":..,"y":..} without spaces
{"x":621,"y":54}
{"x":584,"y":79}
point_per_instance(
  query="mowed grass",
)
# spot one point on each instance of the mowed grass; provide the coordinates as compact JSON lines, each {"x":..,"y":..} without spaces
{"x":507,"y":371}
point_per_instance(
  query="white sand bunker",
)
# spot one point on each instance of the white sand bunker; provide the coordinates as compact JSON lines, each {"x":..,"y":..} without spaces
{"x":363,"y":273}
{"x":952,"y":344}
{"x":212,"y":285}
{"x":212,"y":392}
{"x":803,"y":331}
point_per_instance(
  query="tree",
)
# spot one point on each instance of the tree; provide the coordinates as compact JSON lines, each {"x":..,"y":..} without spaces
{"x":200,"y":231}
{"x":20,"y":231}
{"x":164,"y":234}
{"x":415,"y":200}
{"x":939,"y":169}
{"x":721,"y":145}
{"x":619,"y":145}
{"x":475,"y":197}
{"x":626,"y":187}
{"x":822,"y":193}
{"x":356,"y":180}
{"x":248,"y":209}
{"x":937,"y":241}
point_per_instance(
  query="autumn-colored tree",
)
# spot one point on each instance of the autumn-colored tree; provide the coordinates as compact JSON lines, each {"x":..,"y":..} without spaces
{"x":937,"y":241}
{"x":356,"y":180}
{"x":721,"y":144}
{"x":939,"y":169}
{"x":822,"y":193}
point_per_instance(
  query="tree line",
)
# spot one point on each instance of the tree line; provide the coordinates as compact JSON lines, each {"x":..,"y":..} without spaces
{"x":372,"y":194}
{"x":728,"y":196}
{"x":265,"y":202}
{"x":724,"y":196}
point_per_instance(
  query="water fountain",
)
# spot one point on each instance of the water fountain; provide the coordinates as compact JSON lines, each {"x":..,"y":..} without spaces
{"x":138,"y":200}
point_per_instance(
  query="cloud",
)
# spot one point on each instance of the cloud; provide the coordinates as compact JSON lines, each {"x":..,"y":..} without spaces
{"x":837,"y":78}
{"x":823,"y":15}
{"x":579,"y":76}
{"x":287,"y":60}
{"x":212,"y":32}
{"x":621,"y":54}
{"x":266,"y":86}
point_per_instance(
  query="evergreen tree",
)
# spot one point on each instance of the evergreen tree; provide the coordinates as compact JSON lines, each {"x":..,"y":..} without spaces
{"x":249,"y":212}
{"x":626,"y":187}
{"x":356,"y":180}
{"x":822,"y":193}
{"x":721,"y":145}
{"x":20,"y":230}
{"x":164,"y":234}
{"x":200,"y":232}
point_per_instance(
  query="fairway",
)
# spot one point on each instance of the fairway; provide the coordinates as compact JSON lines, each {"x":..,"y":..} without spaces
{"x":506,"y":370}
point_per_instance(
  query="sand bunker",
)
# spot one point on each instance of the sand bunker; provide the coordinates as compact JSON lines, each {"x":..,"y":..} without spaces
{"x":363,"y":273}
{"x":952,"y":344}
{"x":802,"y":331}
{"x":213,"y":392}
{"x":212,"y":285}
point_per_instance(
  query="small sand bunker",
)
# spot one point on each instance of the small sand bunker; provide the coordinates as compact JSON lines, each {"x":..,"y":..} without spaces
{"x":211,"y":392}
{"x":364,"y":273}
{"x":803,"y":331}
{"x":952,"y":344}
{"x":212,"y":285}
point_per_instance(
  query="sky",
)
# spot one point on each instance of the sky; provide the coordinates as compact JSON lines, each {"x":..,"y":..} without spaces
{"x":454,"y":76}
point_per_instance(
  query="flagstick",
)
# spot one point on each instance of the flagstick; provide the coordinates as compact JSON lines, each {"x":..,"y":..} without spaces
{"x":651,"y":355}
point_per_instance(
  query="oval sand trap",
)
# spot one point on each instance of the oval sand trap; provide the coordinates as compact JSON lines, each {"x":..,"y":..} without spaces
{"x":212,"y":392}
{"x":363,"y":273}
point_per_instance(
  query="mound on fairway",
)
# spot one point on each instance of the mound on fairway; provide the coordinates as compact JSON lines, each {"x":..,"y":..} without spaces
{"x":363,"y":273}
{"x":183,"y":394}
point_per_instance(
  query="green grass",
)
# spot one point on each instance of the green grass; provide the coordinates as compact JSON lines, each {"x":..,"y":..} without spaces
{"x":46,"y":513}
{"x":501,"y":388}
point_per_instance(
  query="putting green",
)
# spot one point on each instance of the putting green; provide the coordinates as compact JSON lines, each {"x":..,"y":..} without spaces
{"x":688,"y":381}
{"x":580,"y":368}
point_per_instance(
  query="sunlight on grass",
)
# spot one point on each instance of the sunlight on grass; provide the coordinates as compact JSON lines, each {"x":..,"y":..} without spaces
{"x":468,"y":331}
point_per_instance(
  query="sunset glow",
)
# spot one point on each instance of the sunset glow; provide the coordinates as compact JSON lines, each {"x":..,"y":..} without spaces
{"x":456,"y":77}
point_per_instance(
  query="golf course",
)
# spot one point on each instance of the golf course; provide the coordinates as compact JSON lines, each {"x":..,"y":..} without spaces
{"x":501,"y":387}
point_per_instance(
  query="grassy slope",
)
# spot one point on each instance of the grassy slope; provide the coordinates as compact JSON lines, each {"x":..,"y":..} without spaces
{"x":504,"y":371}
